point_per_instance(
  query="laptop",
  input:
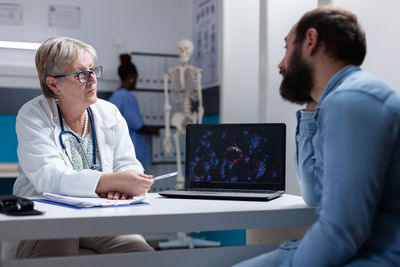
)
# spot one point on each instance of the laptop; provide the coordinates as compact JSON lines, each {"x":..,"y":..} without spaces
{"x":234,"y":162}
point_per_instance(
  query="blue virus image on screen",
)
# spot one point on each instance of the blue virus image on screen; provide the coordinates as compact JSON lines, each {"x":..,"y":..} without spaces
{"x":243,"y":155}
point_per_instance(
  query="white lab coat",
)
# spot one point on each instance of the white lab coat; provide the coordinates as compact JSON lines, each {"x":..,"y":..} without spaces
{"x":43,"y":165}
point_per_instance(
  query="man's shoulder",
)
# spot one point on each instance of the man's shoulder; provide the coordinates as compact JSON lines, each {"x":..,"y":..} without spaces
{"x":362,"y":83}
{"x":363,"y":95}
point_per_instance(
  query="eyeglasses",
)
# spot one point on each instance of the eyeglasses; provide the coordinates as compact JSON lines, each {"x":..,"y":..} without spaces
{"x":84,"y":76}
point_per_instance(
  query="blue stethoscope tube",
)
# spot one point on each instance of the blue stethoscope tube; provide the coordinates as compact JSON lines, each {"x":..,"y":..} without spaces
{"x":93,"y":167}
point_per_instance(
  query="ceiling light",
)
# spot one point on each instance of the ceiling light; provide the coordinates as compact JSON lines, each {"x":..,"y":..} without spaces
{"x":20,"y":45}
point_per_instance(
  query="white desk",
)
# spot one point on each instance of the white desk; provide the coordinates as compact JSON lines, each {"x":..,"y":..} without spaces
{"x":162,"y":216}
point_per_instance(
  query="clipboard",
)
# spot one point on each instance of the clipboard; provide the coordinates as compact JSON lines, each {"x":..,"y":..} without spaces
{"x":80,"y":208}
{"x":85,"y":202}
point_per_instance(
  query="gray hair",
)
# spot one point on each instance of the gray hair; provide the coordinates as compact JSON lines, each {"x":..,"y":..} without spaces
{"x":54,"y":55}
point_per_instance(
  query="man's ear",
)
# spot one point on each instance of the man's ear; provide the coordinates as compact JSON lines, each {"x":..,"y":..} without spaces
{"x":53,"y":84}
{"x":311,"y":41}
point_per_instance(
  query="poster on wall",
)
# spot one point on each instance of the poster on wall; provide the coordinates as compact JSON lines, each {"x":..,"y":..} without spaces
{"x":10,"y":14}
{"x":205,"y":39}
{"x":65,"y":17}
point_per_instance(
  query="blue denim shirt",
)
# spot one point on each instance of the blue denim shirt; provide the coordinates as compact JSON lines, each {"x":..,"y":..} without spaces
{"x":348,"y":163}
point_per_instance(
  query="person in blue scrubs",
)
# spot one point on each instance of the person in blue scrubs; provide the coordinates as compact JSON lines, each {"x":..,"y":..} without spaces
{"x":129,"y":108}
{"x":348,"y":147}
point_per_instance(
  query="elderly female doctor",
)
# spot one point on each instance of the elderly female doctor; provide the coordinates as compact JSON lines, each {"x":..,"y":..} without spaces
{"x":71,"y":143}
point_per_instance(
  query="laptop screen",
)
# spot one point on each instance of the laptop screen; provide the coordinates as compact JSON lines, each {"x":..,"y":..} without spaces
{"x":236,"y":156}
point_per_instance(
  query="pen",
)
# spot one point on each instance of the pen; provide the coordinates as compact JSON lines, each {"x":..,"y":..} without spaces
{"x":165,"y":176}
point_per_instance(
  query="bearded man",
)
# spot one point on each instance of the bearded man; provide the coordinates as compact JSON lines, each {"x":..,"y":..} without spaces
{"x":348,"y":147}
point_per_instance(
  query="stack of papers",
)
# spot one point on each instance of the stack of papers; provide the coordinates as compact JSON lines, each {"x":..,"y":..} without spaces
{"x":86,"y":202}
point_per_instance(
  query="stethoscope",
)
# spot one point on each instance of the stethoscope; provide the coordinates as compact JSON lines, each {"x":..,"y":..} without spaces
{"x":93,"y":167}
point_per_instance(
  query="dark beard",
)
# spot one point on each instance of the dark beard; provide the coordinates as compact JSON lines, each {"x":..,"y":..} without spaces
{"x":297,"y":80}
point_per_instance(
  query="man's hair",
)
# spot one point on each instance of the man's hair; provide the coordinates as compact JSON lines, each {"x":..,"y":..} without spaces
{"x":338,"y":29}
{"x":54,"y":55}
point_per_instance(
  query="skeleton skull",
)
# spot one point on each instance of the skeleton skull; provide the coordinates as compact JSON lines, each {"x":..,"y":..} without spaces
{"x":185,"y":50}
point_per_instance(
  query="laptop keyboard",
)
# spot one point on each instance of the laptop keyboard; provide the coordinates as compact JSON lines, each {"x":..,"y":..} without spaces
{"x":231,"y":190}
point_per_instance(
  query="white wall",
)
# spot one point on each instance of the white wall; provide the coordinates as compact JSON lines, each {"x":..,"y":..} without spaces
{"x":239,"y":61}
{"x":139,"y":25}
{"x":281,"y":16}
{"x":380,"y":20}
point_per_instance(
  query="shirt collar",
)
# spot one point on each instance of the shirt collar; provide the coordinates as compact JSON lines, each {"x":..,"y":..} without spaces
{"x":337,"y":79}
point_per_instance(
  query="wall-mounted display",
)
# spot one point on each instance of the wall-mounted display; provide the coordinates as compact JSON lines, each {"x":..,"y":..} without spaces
{"x":68,"y":17}
{"x":10,"y":14}
{"x":205,"y":39}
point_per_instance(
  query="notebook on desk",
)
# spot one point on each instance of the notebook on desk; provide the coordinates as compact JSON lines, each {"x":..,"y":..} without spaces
{"x":234,"y":162}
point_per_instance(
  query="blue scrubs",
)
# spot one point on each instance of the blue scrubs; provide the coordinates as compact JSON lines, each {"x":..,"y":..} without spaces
{"x":129,"y":108}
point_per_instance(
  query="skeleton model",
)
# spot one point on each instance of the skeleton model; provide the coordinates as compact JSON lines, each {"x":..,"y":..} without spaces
{"x":186,"y":102}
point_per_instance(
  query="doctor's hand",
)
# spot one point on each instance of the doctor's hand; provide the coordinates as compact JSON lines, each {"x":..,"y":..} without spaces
{"x":124,"y":184}
{"x":114,"y":195}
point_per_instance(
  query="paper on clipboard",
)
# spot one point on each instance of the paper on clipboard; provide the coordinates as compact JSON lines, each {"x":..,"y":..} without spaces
{"x":93,"y":201}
